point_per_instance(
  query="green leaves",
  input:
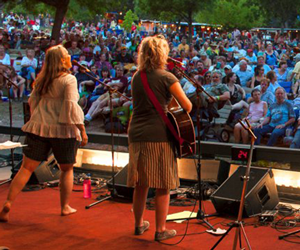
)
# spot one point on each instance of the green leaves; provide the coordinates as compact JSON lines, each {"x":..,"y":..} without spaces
{"x":232,"y":14}
{"x":129,"y":19}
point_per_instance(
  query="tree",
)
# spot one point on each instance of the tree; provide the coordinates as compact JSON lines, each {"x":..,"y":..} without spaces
{"x":61,"y":7}
{"x":129,"y":18}
{"x":232,"y":14}
{"x":183,"y":10}
{"x":283,"y":13}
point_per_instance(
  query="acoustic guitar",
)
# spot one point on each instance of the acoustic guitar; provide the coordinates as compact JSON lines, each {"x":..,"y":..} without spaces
{"x":183,"y":125}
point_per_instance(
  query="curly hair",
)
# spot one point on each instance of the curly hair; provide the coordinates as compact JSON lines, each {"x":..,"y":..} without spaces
{"x":153,"y":53}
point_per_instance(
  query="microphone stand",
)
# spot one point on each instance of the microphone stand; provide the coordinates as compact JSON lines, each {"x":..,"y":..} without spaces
{"x":200,"y":214}
{"x":9,"y":84}
{"x":239,"y":223}
{"x":110,"y":91}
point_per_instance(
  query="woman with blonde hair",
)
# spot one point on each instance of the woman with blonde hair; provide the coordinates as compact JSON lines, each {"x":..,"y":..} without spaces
{"x":56,"y":124}
{"x":152,"y":163}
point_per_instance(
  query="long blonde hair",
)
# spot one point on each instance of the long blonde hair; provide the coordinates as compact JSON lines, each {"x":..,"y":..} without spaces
{"x":153,"y":53}
{"x":53,"y":68}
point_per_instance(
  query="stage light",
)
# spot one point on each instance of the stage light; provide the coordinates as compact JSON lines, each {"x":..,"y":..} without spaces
{"x":100,"y":160}
{"x":287,"y":178}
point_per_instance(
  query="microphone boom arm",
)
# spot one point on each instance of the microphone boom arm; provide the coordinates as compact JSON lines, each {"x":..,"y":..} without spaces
{"x":196,"y":85}
{"x":10,"y":82}
{"x":110,"y":89}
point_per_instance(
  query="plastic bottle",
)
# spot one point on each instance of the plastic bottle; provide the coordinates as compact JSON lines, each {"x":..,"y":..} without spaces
{"x":87,"y":187}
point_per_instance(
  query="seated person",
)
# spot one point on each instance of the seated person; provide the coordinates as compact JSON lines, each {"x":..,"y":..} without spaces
{"x":99,"y":89}
{"x":103,"y":62}
{"x":119,"y":83}
{"x":74,"y":50}
{"x":98,"y":106}
{"x":257,"y":110}
{"x":119,"y":79}
{"x":237,"y":93}
{"x":279,"y":116}
{"x":29,"y":65}
{"x":4,"y":57}
{"x":244,"y":75}
{"x":19,"y":81}
{"x":217,"y":90}
{"x":86,"y":84}
{"x":271,"y":75}
{"x":4,"y":69}
{"x":266,"y":94}
{"x":258,"y":76}
{"x":296,"y":141}
{"x":123,"y":56}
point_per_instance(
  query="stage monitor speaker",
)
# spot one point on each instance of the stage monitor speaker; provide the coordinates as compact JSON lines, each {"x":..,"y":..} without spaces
{"x":47,"y":171}
{"x":121,"y":184}
{"x":261,"y":193}
{"x":121,"y":187}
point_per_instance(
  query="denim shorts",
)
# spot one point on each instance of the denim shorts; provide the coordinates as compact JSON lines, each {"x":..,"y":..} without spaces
{"x":38,"y":148}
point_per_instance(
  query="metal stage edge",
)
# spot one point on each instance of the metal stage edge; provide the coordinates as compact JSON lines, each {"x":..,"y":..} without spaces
{"x":209,"y":150}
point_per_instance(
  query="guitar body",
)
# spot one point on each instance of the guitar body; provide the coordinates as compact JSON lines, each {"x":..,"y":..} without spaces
{"x":183,"y":125}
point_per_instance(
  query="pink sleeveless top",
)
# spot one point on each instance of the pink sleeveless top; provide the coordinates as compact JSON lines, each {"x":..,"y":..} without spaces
{"x":256,"y":111}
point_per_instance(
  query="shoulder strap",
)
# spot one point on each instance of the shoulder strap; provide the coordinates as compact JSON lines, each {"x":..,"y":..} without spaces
{"x":158,"y":107}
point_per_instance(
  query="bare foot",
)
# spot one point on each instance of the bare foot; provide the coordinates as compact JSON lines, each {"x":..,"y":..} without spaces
{"x":4,"y":213}
{"x":67,"y":210}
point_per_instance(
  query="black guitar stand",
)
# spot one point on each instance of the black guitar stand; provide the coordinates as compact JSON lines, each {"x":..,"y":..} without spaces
{"x":238,"y":224}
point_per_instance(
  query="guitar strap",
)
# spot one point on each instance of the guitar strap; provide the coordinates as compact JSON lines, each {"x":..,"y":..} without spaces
{"x":158,"y":107}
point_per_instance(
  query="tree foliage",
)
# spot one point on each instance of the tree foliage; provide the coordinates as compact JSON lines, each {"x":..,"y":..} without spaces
{"x":279,"y":12}
{"x":232,"y":14}
{"x":180,"y":10}
{"x":130,"y":17}
{"x":84,"y":9}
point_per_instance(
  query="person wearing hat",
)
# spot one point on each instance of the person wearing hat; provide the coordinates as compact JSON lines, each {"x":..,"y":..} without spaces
{"x":227,"y":70}
{"x":123,"y":56}
{"x":86,"y":84}
{"x":251,"y":57}
{"x":212,"y":49}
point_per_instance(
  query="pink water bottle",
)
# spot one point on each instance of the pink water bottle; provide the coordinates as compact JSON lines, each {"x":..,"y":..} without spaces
{"x":87,"y":187}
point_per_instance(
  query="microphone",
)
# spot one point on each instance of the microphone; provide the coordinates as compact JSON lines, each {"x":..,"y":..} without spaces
{"x":170,"y":59}
{"x":80,"y":66}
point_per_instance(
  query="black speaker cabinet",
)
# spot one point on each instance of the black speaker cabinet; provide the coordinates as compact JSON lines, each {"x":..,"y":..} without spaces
{"x":121,"y":188}
{"x":121,"y":184}
{"x":261,"y":193}
{"x":47,"y":171}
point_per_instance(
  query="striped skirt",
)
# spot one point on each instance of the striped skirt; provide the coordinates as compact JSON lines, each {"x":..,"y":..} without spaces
{"x":152,"y":164}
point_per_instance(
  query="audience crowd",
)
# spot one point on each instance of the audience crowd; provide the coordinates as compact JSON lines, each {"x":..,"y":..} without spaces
{"x":257,"y":77}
